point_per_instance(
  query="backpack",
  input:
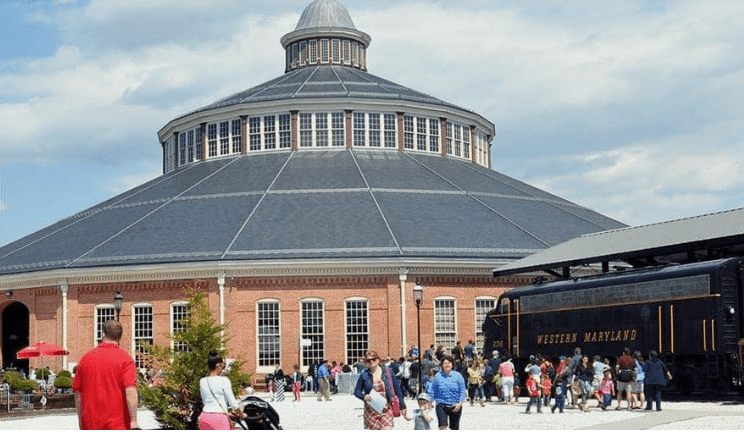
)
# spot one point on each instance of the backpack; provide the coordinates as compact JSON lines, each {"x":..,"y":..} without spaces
{"x":488,"y":375}
{"x":551,"y":373}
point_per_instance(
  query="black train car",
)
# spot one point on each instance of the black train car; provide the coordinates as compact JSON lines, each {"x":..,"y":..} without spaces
{"x":689,"y":313}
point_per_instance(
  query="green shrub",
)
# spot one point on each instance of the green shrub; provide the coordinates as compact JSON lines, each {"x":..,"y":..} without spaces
{"x":23,"y":385}
{"x":62,"y":382}
{"x":10,"y":376}
{"x":64,"y":373}
{"x":18,"y":383}
{"x":42,"y":374}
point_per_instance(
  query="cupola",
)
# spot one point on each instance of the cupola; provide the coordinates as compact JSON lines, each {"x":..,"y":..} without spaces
{"x":325,"y":35}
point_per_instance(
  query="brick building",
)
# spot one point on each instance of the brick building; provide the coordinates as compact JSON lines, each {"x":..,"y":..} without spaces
{"x":306,"y":207}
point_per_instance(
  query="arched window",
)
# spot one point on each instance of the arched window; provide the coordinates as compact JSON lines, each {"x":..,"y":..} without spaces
{"x":312,"y":331}
{"x":179,"y":311}
{"x":102,"y":313}
{"x":482,"y":306}
{"x":142,"y":331}
{"x":268,"y":333}
{"x":445,"y":322}
{"x":357,"y":329}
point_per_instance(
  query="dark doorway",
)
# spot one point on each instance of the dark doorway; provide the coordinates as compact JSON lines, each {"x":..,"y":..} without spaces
{"x":15,"y":335}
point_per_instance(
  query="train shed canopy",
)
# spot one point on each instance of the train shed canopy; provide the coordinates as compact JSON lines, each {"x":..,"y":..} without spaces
{"x":685,"y":240}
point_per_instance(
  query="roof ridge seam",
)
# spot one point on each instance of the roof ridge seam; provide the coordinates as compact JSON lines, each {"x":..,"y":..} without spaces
{"x":82,"y":215}
{"x":150,"y":213}
{"x":278,"y":83}
{"x":550,"y":202}
{"x":253,"y":211}
{"x":299,"y":88}
{"x":346,"y":91}
{"x":374,"y":199}
{"x":530,"y":234}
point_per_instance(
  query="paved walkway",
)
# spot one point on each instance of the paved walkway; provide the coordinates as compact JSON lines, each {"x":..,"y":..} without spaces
{"x":344,"y":412}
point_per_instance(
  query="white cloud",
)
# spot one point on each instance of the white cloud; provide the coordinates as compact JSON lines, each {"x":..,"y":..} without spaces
{"x":654,"y":181}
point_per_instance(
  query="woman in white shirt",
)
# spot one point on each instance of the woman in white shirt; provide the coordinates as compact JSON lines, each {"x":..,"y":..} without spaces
{"x":217,"y":396}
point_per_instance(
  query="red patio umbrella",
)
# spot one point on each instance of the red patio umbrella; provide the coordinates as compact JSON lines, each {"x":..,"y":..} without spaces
{"x":41,"y":349}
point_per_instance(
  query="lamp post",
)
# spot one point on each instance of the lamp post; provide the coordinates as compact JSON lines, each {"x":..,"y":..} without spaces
{"x":418,"y":295}
{"x":117,"y":303}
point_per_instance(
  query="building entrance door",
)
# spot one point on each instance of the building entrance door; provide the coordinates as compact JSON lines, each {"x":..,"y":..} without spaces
{"x":15,"y":335}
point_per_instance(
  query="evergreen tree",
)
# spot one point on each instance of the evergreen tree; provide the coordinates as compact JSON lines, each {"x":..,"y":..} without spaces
{"x":174,"y":397}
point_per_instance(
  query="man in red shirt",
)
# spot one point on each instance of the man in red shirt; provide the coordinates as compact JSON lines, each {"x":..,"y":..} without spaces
{"x":105,"y":385}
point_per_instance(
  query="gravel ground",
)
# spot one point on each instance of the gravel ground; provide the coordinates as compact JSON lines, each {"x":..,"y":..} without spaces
{"x":344,"y":412}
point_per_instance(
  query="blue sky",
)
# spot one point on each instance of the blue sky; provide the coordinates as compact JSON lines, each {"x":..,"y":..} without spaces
{"x":631,"y":108}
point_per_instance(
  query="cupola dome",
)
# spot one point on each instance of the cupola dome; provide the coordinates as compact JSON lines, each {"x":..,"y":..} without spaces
{"x":325,"y":13}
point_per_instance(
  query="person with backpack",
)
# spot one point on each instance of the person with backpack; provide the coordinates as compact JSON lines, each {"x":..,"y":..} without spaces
{"x":625,"y":369}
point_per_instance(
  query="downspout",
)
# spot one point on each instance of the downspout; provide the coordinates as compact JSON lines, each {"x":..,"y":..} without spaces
{"x":221,"y":283}
{"x":403,"y":276}
{"x":64,"y":288}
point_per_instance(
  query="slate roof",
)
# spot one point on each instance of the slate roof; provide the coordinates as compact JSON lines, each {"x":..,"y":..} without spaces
{"x":311,"y":205}
{"x":327,"y":82}
{"x":690,"y":239}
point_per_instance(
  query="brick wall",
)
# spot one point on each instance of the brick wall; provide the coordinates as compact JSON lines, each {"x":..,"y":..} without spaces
{"x":241,"y":295}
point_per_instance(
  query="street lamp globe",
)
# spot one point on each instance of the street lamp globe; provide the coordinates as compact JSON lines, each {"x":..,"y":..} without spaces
{"x":418,"y":292}
{"x":117,"y":302}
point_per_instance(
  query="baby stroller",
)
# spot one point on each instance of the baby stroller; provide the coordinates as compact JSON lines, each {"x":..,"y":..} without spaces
{"x":259,"y":414}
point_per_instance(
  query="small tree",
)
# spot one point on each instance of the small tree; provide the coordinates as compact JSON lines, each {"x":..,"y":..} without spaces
{"x":176,"y":400}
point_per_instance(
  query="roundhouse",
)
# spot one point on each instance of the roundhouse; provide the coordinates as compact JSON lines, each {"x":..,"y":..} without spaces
{"x":307,"y":207}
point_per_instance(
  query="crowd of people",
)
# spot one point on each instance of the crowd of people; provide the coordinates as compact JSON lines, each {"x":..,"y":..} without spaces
{"x":451,"y":379}
{"x":442,"y":382}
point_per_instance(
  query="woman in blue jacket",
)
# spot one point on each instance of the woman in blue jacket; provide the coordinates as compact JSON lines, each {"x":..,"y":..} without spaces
{"x":382,"y":380}
{"x":448,"y":390}
{"x":656,"y":378}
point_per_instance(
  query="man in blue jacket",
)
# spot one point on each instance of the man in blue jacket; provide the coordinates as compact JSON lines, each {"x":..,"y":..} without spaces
{"x":324,"y":381}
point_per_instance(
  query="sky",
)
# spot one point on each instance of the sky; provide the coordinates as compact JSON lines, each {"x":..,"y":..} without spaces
{"x":632,"y":108}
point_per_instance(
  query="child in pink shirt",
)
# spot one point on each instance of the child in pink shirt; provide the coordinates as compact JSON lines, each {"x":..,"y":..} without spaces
{"x":608,"y":389}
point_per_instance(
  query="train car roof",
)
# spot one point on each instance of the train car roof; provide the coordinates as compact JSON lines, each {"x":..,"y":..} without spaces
{"x":620,"y":277}
{"x":681,"y":241}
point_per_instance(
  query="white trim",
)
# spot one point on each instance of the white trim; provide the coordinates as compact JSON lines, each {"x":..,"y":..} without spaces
{"x":249,"y":268}
{"x":425,"y":109}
